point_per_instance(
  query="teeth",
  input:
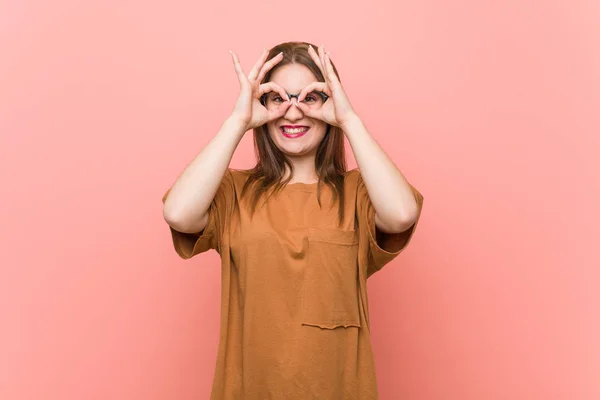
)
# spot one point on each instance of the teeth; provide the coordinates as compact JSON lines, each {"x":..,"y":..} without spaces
{"x":295,"y":130}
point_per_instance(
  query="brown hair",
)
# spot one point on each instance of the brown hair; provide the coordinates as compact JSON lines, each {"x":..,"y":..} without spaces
{"x":330,"y":160}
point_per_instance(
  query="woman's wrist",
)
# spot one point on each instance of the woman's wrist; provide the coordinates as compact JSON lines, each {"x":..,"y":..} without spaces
{"x":352,"y":119}
{"x":236,"y":123}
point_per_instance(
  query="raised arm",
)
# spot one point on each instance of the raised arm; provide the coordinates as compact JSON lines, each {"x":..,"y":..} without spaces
{"x":186,"y":206}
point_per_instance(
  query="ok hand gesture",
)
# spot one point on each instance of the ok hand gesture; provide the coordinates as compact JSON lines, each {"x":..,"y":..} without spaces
{"x":337,"y":110}
{"x":248,"y":110}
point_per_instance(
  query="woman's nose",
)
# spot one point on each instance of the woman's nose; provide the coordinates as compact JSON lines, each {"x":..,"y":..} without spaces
{"x":293,"y":110}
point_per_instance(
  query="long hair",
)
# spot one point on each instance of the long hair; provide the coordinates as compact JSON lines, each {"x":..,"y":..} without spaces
{"x":330,"y":160}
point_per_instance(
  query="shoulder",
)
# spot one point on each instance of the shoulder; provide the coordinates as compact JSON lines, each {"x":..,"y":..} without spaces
{"x":237,"y":177}
{"x":238,"y":173}
{"x":352,"y":178}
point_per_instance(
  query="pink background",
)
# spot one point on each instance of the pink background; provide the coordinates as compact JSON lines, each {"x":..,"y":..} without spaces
{"x":490,"y":109}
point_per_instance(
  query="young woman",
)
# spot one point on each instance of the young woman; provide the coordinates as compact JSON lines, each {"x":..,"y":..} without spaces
{"x":298,"y":235}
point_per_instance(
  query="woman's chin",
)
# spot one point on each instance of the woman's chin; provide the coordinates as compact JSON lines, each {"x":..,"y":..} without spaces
{"x":294,"y":150}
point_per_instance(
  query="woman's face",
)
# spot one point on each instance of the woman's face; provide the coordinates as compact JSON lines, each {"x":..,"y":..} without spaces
{"x":293,"y":142}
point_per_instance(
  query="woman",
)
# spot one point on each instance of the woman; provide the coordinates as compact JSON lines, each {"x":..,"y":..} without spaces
{"x":298,"y":235}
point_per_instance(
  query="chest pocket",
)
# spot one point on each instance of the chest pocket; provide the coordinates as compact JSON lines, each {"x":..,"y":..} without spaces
{"x":330,"y":292}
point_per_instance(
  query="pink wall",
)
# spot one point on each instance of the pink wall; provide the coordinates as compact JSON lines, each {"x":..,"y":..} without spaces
{"x":491,"y":110}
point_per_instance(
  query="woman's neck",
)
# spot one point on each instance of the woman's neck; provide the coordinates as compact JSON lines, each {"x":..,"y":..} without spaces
{"x":304,"y":171}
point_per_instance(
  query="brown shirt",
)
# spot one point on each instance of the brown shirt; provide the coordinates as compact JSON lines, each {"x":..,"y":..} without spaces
{"x":294,"y":305}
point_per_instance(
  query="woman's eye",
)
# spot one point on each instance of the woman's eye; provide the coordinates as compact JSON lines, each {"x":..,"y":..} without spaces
{"x":277,"y":98}
{"x":309,"y":98}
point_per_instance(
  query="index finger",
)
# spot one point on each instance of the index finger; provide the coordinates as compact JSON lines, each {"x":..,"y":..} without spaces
{"x":272,"y":87}
{"x":320,"y":86}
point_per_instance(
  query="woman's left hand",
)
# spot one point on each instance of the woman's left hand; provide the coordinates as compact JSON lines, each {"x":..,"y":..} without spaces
{"x":337,"y":110}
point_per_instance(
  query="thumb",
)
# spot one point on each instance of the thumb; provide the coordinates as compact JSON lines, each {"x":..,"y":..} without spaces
{"x":280,"y":111}
{"x":307,"y":110}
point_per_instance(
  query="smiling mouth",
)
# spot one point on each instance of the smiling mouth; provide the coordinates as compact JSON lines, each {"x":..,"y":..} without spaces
{"x":293,"y":133}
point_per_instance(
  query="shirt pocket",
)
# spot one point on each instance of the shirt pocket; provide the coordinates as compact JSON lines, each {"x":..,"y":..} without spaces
{"x":330,"y":292}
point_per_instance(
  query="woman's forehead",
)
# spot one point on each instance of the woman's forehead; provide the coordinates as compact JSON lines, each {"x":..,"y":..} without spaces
{"x":293,"y":77}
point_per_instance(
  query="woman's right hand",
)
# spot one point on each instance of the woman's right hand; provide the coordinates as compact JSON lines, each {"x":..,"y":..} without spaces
{"x":248,"y":109}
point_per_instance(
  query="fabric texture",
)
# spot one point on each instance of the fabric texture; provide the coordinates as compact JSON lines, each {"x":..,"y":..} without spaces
{"x":294,"y":305}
